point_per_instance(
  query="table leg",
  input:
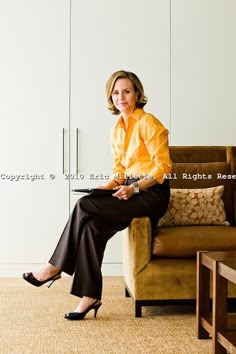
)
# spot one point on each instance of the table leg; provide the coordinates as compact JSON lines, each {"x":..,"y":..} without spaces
{"x":219,"y":309}
{"x":203,"y":296}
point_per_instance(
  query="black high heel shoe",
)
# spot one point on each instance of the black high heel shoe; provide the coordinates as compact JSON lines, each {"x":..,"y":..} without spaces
{"x":75,"y":316}
{"x":29,"y":277}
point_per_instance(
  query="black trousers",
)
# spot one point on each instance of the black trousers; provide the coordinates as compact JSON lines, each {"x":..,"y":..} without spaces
{"x":94,"y":220}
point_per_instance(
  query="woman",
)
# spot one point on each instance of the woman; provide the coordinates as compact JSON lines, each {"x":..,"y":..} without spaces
{"x":141,"y":159}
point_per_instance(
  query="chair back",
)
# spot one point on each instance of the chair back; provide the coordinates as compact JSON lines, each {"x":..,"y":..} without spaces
{"x":204,"y":167}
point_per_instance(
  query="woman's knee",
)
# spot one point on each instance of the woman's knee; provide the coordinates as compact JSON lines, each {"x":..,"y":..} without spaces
{"x":81,"y":204}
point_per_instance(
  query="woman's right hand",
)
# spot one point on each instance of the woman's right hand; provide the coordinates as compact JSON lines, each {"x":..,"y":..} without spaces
{"x":124,"y":192}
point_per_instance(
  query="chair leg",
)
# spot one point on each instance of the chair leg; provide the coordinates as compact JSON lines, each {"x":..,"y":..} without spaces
{"x":138,"y":309}
{"x":127,"y":294}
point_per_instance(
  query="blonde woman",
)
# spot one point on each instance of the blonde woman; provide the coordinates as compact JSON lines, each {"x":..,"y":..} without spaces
{"x":139,"y":146}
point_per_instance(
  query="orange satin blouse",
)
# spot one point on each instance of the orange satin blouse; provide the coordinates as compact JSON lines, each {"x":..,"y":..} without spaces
{"x":141,"y":150}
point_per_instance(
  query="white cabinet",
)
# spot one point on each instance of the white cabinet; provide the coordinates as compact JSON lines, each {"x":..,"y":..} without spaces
{"x":203,"y":57}
{"x":34,"y":90}
{"x":56,"y":57}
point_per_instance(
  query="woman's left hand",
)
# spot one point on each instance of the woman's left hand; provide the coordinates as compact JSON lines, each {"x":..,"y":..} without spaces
{"x":123,"y":192}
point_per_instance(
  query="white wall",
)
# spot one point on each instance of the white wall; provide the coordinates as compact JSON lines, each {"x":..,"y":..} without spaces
{"x":183,"y":51}
{"x":203,"y":72}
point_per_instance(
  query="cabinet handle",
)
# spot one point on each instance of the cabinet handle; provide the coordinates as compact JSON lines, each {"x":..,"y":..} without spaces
{"x":63,"y":151}
{"x":77,"y":151}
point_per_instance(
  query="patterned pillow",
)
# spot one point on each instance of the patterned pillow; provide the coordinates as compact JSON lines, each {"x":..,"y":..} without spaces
{"x":195,"y":207}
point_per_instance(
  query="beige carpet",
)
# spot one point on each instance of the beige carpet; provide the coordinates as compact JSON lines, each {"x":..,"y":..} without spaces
{"x":31,"y":321}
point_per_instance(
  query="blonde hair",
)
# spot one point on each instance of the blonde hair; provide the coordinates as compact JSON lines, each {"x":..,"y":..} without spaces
{"x":138,"y":88}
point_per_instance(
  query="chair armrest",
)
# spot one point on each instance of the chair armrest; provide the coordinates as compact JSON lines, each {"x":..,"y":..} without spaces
{"x":231,"y":158}
{"x":137,"y":245}
{"x":233,"y":171}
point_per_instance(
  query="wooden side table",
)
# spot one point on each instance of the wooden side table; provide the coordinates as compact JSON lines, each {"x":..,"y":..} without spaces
{"x":219,"y":325}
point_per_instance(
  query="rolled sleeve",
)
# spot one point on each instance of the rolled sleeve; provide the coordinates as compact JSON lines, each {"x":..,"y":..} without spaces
{"x":156,"y":142}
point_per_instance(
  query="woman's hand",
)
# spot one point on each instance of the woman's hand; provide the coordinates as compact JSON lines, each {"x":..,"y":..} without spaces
{"x":123,"y":192}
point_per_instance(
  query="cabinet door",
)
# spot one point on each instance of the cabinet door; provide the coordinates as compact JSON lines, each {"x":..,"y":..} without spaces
{"x":108,"y":36}
{"x":34,"y":110}
{"x":203,"y":72}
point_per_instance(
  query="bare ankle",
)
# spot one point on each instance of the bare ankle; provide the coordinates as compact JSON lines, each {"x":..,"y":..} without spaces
{"x":46,"y":272}
{"x":85,"y":302}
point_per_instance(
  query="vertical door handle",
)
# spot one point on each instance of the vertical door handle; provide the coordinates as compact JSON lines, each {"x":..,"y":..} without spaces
{"x":63,"y":151}
{"x":77,"y":152}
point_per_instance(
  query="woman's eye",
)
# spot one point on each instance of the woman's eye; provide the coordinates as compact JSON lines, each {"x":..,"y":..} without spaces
{"x":127,"y":91}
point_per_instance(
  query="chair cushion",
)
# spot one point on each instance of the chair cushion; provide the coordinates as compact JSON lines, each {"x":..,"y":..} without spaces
{"x":185,"y":241}
{"x":200,"y":206}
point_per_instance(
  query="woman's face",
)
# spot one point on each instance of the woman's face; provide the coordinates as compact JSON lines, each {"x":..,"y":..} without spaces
{"x":124,"y":96}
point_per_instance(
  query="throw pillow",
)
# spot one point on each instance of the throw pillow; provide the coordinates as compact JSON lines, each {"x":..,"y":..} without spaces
{"x":195,"y":207}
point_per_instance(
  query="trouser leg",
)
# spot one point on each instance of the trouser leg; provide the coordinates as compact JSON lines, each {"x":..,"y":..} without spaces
{"x":66,"y":251}
{"x":81,"y":247}
{"x":92,"y":223}
{"x":106,"y":209}
{"x":88,"y":277}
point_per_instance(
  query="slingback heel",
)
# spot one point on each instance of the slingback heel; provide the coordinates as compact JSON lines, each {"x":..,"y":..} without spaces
{"x":29,"y":277}
{"x":77,"y":316}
